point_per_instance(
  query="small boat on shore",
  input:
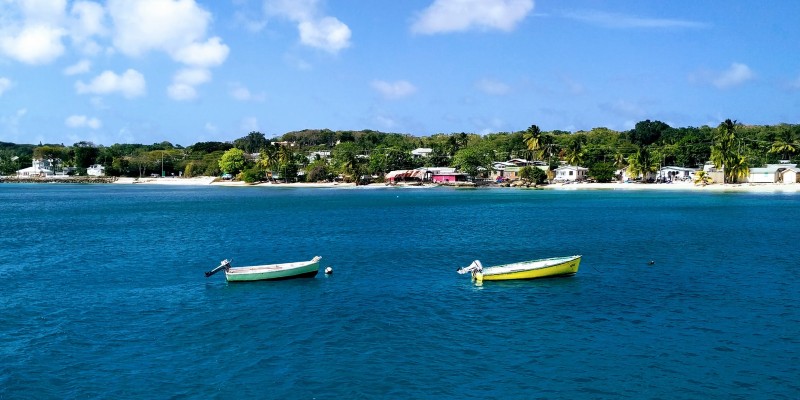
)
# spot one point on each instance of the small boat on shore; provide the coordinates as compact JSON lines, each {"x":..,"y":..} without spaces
{"x":544,"y":268}
{"x":301,"y":269}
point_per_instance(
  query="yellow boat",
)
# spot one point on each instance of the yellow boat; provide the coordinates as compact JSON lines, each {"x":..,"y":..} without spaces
{"x":544,"y":268}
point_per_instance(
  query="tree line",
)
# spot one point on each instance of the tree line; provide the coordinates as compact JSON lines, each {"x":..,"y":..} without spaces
{"x":322,"y":154}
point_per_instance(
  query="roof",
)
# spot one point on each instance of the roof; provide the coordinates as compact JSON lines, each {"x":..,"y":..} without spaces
{"x":406,"y":173}
{"x":672,"y":167}
{"x":572,"y":167}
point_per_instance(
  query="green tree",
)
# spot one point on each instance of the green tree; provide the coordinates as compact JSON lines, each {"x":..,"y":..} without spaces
{"x":287,"y":163}
{"x":647,"y":132}
{"x":268,"y":159}
{"x":602,"y":172}
{"x":318,"y":170}
{"x":573,"y":153}
{"x":252,"y":143}
{"x":471,"y":160}
{"x":232,"y":161}
{"x":785,"y":143}
{"x":532,"y":174}
{"x":702,"y":178}
{"x":532,"y":137}
{"x":642,"y":163}
{"x":84,"y":154}
{"x":725,"y":153}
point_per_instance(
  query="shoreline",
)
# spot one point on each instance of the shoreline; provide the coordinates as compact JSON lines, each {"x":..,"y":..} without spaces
{"x":679,"y":186}
{"x":214,"y":181}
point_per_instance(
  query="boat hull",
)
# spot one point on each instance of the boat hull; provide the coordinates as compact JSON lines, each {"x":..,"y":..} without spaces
{"x":306,"y":269}
{"x":547,"y":268}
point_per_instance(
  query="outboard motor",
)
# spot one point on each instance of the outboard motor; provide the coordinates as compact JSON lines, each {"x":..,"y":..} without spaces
{"x":476,"y":266}
{"x":224,"y":264}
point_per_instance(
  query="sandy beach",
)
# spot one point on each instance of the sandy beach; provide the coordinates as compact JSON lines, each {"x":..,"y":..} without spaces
{"x":680,"y":186}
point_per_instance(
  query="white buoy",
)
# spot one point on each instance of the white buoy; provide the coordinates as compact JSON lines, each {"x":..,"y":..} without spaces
{"x":328,"y":270}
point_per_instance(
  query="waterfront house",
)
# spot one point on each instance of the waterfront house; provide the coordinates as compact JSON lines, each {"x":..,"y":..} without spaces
{"x":406,"y":175}
{"x":40,"y":168}
{"x":446,"y":177}
{"x":509,"y":170}
{"x":571,"y":173}
{"x":96,"y":170}
{"x":672,"y":174}
{"x":790,"y":175}
{"x":773,"y":173}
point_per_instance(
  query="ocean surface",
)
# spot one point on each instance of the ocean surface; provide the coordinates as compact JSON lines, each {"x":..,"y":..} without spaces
{"x":680,"y":295}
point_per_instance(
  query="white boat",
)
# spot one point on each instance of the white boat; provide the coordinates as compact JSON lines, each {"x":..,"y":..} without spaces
{"x":301,"y":269}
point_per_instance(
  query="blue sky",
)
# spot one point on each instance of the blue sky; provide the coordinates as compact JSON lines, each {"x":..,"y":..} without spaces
{"x":145,"y":71}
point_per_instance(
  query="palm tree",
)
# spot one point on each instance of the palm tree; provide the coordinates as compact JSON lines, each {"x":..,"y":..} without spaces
{"x":723,"y":151}
{"x":532,"y":138}
{"x":268,"y":159}
{"x":573,"y":154}
{"x":784,"y":144}
{"x":285,"y":159}
{"x":642,"y":163}
{"x":702,"y":178}
{"x":737,"y":168}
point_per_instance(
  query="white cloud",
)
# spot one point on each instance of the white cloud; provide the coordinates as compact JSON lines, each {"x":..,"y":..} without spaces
{"x":82,"y":121}
{"x":88,"y":21}
{"x":316,"y":30}
{"x":394,"y":90}
{"x":444,"y":16}
{"x":5,"y":84}
{"x":181,"y":92}
{"x":130,"y":84}
{"x":184,"y":82}
{"x":328,"y":34}
{"x":31,"y":30}
{"x":621,"y":21}
{"x":209,"y":54}
{"x":166,"y":25}
{"x":192,"y":77}
{"x":242,"y":93}
{"x":81,"y":67}
{"x":43,"y":11}
{"x":210,"y":128}
{"x":492,"y":87}
{"x":736,"y":75}
{"x":175,"y":27}
{"x":34,"y":44}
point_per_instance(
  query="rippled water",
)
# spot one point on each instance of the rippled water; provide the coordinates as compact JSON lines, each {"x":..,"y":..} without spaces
{"x":104,"y":296}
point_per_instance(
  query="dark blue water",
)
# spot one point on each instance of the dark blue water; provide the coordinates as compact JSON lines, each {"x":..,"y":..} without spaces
{"x":103,"y":294}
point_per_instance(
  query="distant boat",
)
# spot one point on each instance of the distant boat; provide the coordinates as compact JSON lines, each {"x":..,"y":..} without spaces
{"x":544,"y":268}
{"x":301,"y":269}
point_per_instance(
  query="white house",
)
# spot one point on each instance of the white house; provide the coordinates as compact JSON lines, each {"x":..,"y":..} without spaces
{"x":672,"y":173}
{"x":571,"y":173}
{"x":790,"y":175}
{"x":40,"y":168}
{"x":96,"y":170}
{"x":421,"y":152}
{"x":322,"y":155}
{"x":772,"y":173}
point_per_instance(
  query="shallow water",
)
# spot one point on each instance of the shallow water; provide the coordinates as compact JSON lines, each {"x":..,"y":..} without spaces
{"x":104,"y":294}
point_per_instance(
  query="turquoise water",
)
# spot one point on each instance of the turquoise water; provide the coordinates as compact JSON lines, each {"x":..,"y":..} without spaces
{"x":103,"y":294}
